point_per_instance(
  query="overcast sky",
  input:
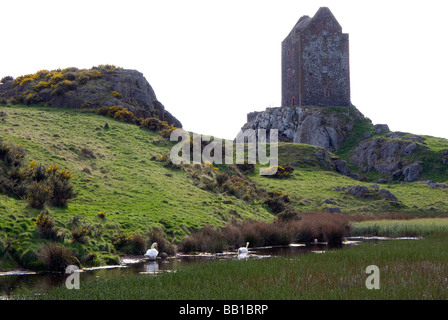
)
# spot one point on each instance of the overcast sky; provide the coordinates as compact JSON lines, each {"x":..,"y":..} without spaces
{"x":212,"y":62}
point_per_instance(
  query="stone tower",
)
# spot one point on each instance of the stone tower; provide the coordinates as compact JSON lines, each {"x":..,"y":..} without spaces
{"x":315,"y":63}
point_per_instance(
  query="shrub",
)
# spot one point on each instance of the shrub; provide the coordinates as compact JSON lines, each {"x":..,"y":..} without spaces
{"x":70,"y":70}
{"x":138,"y":244}
{"x":129,"y":243}
{"x":94,"y":74}
{"x":107,"y":67}
{"x":276,"y":201}
{"x":166,"y":129}
{"x":102,"y":215}
{"x":41,"y":74}
{"x":221,"y":178}
{"x":62,"y":87}
{"x":6,"y":79}
{"x":39,"y":171}
{"x":120,"y":240}
{"x":57,"y":258}
{"x":117,"y":95}
{"x":288,"y":213}
{"x":62,"y":190}
{"x":79,"y":235}
{"x":54,"y":77}
{"x":42,"y":85}
{"x":38,"y":194}
{"x":103,"y":111}
{"x":25,"y":80}
{"x":82,"y":77}
{"x":47,"y":228}
{"x":32,"y":98}
{"x":152,"y":124}
{"x":246,"y":168}
{"x":70,"y":76}
{"x":126,"y":116}
{"x":240,"y":187}
{"x":41,"y":185}
{"x":11,"y":155}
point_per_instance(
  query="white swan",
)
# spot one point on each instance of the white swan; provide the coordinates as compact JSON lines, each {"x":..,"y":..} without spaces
{"x":152,"y":253}
{"x":243,"y":250}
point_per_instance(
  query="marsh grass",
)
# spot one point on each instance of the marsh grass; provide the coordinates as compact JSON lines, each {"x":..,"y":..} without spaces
{"x":400,"y":228}
{"x":409,"y":269}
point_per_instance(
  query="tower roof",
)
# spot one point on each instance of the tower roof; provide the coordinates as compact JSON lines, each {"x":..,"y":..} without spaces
{"x":305,"y":21}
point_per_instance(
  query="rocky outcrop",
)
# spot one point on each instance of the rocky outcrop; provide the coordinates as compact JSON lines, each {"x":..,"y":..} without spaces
{"x":380,"y":128}
{"x":322,"y":127}
{"x":97,"y":87}
{"x":388,"y":156}
{"x":372,"y":193}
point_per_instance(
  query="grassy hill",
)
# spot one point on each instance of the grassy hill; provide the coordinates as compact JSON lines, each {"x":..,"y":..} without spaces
{"x":116,"y":170}
{"x":113,"y":172}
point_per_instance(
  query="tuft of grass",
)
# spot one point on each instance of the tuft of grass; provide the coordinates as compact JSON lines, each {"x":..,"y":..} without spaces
{"x":57,"y":257}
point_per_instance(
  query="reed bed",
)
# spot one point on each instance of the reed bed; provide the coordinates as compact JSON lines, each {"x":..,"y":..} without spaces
{"x":320,"y":226}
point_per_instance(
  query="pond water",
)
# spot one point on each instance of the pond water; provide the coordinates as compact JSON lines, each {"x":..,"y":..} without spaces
{"x":12,"y":282}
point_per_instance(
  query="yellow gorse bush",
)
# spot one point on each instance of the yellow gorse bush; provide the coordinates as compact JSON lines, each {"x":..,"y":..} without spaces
{"x":117,"y":94}
{"x":42,"y":220}
{"x":52,"y":168}
{"x":102,"y":214}
{"x":66,"y":174}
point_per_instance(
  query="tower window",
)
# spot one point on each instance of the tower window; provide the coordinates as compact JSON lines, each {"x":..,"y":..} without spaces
{"x":324,"y":32}
{"x":324,"y":69}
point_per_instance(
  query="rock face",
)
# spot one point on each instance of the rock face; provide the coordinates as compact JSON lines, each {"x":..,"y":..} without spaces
{"x":379,"y":128}
{"x":100,"y":86}
{"x":322,"y":127}
{"x":388,"y":156}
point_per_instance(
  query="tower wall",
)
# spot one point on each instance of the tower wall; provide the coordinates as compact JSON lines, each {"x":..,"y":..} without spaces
{"x":315,"y":63}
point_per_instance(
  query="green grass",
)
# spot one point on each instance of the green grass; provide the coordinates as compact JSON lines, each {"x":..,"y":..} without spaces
{"x":410,"y":269}
{"x":310,"y":187}
{"x":113,"y":172}
{"x":400,"y":228}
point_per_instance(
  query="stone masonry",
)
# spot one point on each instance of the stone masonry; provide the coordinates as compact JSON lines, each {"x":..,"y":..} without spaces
{"x":315,"y":63}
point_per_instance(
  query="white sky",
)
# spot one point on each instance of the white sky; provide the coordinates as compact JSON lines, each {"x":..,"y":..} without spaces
{"x":211,"y":62}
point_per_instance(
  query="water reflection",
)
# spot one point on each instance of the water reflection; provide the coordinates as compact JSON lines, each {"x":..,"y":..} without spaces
{"x":151,"y":268}
{"x":243,"y":255}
